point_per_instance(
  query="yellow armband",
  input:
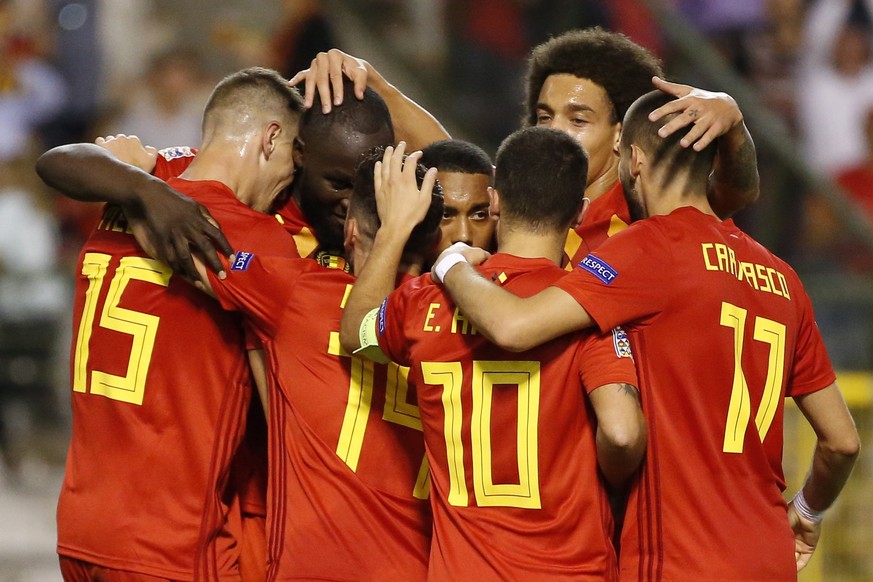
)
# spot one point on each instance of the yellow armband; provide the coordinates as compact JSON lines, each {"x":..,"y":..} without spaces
{"x":369,"y":339}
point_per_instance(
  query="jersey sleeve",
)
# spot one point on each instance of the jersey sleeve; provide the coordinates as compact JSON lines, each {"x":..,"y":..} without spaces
{"x":258,"y":286}
{"x":391,"y":323}
{"x":259,"y":279}
{"x":171,"y":162}
{"x":618,"y":283}
{"x":606,"y":359}
{"x":812,"y":370}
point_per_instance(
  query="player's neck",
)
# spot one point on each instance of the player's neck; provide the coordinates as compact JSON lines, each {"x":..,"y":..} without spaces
{"x":219,"y":165}
{"x":603,"y":183}
{"x":679,"y":196}
{"x":531,"y":245}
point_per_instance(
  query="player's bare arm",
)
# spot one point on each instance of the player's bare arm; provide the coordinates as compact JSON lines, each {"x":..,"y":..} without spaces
{"x":621,"y":431}
{"x":412,"y":123}
{"x":712,"y":116}
{"x":513,"y":323}
{"x":401,"y":205}
{"x":835,"y":454}
{"x":176,"y":224}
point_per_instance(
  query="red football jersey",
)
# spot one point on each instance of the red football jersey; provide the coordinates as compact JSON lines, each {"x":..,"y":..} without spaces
{"x":160,"y":388}
{"x":510,"y":436}
{"x":348,"y":477}
{"x":722,"y":332}
{"x":607,"y":215}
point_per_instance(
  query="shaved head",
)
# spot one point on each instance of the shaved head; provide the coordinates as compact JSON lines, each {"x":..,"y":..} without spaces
{"x":243,"y":101}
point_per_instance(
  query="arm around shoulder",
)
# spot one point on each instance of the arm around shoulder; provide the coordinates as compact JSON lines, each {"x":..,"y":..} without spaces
{"x":90,"y":173}
{"x":511,"y":322}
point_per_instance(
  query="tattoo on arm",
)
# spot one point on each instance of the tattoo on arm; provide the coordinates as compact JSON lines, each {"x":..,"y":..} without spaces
{"x":629,"y":390}
{"x":743,"y":173}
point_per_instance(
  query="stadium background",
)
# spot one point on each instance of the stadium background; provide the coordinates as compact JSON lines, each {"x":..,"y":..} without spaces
{"x":95,"y":67}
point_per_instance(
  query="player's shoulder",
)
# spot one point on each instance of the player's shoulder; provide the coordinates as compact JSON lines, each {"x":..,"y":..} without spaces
{"x":414,"y":290}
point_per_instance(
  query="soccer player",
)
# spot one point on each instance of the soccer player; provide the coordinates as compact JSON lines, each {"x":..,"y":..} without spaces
{"x":348,"y":478}
{"x":153,"y":437}
{"x":334,"y":144}
{"x":582,"y":82}
{"x":512,"y":441}
{"x":465,"y":173}
{"x":722,"y":331}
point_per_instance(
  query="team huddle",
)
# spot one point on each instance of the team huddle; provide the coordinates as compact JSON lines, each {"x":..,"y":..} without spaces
{"x":406,"y":363}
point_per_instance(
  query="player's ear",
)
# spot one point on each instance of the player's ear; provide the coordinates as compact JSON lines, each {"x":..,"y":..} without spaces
{"x":297,"y":153}
{"x":616,"y":138}
{"x":270,"y":138}
{"x":350,"y":235}
{"x":494,"y":201}
{"x":583,"y":210}
{"x":637,"y":161}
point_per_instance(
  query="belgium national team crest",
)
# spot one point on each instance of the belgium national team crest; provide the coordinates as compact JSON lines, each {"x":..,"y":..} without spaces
{"x":331,"y":261}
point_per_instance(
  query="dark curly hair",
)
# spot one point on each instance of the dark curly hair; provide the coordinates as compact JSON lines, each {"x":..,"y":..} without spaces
{"x":623,"y":68}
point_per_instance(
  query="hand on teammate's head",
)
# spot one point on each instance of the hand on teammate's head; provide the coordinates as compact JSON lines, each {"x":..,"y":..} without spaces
{"x":708,"y":115}
{"x":325,"y":76}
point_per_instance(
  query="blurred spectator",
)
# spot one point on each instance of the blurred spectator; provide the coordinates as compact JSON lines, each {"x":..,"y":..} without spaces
{"x":28,"y":246}
{"x":826,"y":245}
{"x":772,"y":52}
{"x":33,"y":300}
{"x":73,"y":30}
{"x":857,"y":181}
{"x":165,"y":109}
{"x":31,"y":91}
{"x":835,"y":83}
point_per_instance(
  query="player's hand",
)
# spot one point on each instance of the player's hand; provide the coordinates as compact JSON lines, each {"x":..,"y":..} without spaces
{"x":129,"y":149}
{"x":145,"y":238}
{"x":173,"y":226}
{"x":806,"y":535}
{"x":325,"y":75}
{"x":399,"y":200}
{"x":472,"y":255}
{"x":709,"y":114}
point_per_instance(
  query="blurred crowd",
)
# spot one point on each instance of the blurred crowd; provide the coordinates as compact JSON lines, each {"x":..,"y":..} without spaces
{"x":72,"y":70}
